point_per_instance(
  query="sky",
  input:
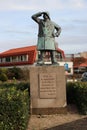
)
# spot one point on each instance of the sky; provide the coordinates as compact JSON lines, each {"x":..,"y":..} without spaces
{"x":17,"y":29}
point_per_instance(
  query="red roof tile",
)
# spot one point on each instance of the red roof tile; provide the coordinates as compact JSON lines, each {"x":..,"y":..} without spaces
{"x":24,"y":50}
{"x":83,"y":64}
{"x":19,"y":50}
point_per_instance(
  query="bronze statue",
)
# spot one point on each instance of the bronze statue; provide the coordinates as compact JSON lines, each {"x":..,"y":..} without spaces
{"x":47,"y":32}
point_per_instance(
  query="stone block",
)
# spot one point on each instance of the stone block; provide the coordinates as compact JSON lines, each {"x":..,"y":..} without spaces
{"x":48,"y":90}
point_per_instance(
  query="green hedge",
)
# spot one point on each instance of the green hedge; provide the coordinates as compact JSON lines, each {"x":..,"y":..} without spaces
{"x":77,"y":94}
{"x":70,"y":92}
{"x":17,"y":85}
{"x":14,"y":107}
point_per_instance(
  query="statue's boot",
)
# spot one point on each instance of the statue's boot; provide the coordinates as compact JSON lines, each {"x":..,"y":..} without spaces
{"x":40,"y":59}
{"x":53,"y":59}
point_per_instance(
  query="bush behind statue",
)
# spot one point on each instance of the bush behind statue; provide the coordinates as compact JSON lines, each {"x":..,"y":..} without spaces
{"x":14,"y":73}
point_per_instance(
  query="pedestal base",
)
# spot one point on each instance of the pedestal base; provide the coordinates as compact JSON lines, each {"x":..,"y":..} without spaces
{"x":48,"y":90}
{"x":48,"y":111}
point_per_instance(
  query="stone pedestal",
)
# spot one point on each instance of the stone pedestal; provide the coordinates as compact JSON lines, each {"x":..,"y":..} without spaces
{"x":48,"y":90}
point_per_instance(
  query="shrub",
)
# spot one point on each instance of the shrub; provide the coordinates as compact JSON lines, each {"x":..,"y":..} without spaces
{"x":81,"y":97}
{"x":22,"y":86}
{"x":77,"y":93}
{"x":3,"y":70}
{"x":70,"y":92}
{"x":3,"y":77}
{"x":15,"y":72}
{"x":19,"y":86}
{"x":14,"y":108}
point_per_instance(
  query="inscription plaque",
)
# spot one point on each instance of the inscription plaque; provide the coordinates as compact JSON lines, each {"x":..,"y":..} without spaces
{"x":47,"y":83}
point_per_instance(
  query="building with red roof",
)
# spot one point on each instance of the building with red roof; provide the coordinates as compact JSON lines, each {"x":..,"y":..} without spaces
{"x":83,"y":64}
{"x":23,"y":56}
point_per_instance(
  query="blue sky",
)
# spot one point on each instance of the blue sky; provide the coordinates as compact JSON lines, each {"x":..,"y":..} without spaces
{"x":17,"y":29}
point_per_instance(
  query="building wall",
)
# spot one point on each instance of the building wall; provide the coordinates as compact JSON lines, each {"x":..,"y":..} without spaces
{"x":17,"y":58}
{"x":83,"y":54}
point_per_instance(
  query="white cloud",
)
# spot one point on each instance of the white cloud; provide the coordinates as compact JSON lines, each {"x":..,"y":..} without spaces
{"x":76,"y":3}
{"x":41,"y":5}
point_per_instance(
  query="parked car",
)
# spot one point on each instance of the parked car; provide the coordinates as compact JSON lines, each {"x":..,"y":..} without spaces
{"x":84,"y":77}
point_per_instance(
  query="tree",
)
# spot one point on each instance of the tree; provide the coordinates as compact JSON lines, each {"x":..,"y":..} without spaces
{"x":15,"y":72}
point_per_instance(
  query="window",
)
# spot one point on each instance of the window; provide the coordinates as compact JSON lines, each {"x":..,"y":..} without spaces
{"x":2,"y":60}
{"x":14,"y":58}
{"x":22,"y":58}
{"x":7,"y":59}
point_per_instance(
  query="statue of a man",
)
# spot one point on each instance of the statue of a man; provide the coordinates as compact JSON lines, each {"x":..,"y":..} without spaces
{"x":47,"y":32}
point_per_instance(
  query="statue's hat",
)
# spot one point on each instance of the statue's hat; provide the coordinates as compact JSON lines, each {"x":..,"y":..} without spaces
{"x":47,"y":13}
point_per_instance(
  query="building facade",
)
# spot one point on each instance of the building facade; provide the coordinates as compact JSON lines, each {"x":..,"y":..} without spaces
{"x":24,"y":56}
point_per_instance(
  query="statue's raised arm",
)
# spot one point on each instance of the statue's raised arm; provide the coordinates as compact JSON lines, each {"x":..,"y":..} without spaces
{"x":36,"y":16}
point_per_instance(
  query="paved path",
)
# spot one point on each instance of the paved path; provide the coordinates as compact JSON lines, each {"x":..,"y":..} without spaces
{"x":80,"y":124}
{"x":70,"y":121}
{"x":58,"y":122}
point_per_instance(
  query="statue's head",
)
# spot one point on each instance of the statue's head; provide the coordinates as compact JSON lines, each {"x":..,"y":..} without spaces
{"x":46,"y":15}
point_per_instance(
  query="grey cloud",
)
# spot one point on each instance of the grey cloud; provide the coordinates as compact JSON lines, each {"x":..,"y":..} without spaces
{"x":80,"y":21}
{"x":35,"y":5}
